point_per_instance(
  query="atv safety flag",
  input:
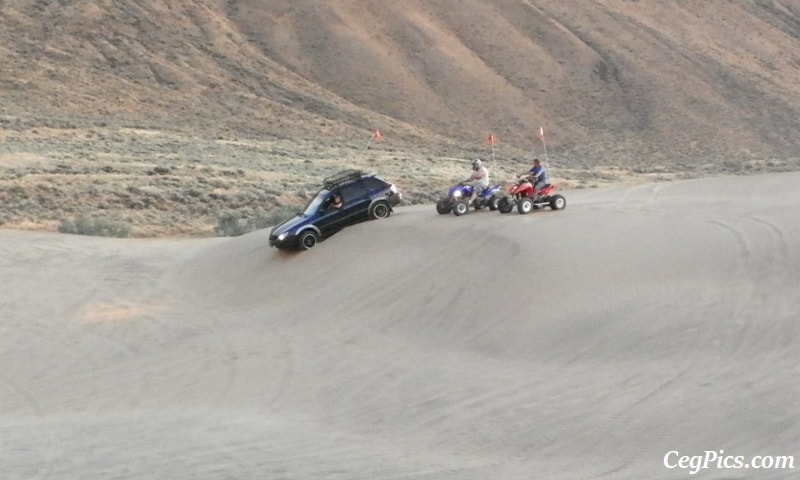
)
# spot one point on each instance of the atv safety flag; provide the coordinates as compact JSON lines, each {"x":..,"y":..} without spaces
{"x":544,"y":146}
{"x":377,"y":136}
{"x":490,"y":140}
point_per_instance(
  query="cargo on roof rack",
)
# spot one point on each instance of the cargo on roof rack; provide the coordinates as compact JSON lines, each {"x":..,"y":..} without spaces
{"x":342,"y":177}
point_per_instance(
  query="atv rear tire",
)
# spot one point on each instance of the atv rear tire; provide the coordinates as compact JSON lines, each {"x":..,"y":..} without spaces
{"x":525,"y":205}
{"x":505,"y":205}
{"x":557,"y":202}
{"x":460,"y":208}
{"x":493,"y":202}
{"x":444,"y":206}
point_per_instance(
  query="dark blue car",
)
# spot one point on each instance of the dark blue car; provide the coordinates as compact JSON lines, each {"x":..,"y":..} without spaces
{"x":346,"y":198}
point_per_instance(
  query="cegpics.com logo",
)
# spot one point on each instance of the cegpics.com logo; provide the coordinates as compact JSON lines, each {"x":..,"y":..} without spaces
{"x":717,"y":459}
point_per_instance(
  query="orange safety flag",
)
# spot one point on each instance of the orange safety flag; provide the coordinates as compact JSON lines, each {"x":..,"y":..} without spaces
{"x":491,"y":139}
{"x":541,"y":132}
{"x":376,"y":135}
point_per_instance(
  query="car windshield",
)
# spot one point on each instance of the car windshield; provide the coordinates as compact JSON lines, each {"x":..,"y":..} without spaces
{"x":315,"y":203}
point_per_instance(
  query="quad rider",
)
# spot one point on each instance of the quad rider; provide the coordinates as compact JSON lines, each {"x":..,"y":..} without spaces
{"x":479,"y":179}
{"x":537,"y":175}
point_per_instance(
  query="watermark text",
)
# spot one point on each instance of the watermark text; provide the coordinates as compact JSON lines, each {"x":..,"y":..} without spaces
{"x":718,"y":459}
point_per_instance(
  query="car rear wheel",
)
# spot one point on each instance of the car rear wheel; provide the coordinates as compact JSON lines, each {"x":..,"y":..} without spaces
{"x":379,"y":210}
{"x":525,"y":205}
{"x":308,"y":240}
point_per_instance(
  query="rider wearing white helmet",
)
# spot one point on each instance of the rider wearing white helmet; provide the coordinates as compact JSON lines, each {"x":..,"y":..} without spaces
{"x":479,"y":179}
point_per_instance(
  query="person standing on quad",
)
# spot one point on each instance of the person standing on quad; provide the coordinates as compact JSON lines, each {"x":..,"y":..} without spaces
{"x":537,"y":175}
{"x":479,"y":179}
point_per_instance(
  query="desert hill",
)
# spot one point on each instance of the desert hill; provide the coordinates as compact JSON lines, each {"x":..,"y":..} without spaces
{"x":647,"y":87}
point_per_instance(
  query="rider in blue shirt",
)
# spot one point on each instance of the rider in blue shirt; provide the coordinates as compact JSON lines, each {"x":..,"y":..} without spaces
{"x":538,"y":175}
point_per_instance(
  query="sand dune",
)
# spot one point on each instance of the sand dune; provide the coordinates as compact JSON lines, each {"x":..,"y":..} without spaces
{"x":586,"y":343}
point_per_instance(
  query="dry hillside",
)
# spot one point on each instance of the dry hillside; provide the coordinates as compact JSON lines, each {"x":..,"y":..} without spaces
{"x":241,"y":105}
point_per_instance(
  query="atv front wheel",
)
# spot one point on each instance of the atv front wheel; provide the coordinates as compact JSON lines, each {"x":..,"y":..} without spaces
{"x":444,"y":206}
{"x":525,"y":205}
{"x":460,"y":208}
{"x":505,"y":205}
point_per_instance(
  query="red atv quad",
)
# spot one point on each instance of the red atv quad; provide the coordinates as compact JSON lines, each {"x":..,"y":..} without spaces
{"x":522,"y":195}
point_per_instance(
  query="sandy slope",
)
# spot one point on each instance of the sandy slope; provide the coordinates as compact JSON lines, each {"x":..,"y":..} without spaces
{"x":617,"y":82}
{"x":586,"y":343}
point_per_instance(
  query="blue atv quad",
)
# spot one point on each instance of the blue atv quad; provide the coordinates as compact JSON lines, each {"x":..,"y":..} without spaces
{"x":457,"y":199}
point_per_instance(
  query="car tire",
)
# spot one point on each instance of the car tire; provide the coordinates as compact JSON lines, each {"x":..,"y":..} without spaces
{"x":525,"y":206}
{"x":307,"y":240}
{"x":379,"y":210}
{"x":443,"y":206}
{"x":557,"y":202}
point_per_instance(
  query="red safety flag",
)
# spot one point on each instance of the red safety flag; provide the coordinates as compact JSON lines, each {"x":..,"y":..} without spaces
{"x":377,"y":136}
{"x":491,"y":139}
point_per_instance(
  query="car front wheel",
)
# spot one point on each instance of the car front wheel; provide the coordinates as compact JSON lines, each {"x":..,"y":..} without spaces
{"x":308,"y":240}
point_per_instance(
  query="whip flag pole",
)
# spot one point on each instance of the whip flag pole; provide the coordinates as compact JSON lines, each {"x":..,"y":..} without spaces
{"x":377,"y":136}
{"x":490,"y":140}
{"x":544,"y":146}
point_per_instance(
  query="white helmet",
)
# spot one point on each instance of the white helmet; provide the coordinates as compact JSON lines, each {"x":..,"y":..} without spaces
{"x":476,"y":163}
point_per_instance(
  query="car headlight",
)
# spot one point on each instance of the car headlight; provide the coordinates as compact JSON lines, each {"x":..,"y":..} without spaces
{"x":282,"y":237}
{"x":457,"y":193}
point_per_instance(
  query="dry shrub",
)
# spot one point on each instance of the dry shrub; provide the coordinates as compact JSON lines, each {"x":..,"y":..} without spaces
{"x":98,"y":227}
{"x":233,"y":224}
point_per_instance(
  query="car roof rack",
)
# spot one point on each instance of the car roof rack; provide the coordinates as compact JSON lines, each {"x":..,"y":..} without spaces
{"x":341,"y":178}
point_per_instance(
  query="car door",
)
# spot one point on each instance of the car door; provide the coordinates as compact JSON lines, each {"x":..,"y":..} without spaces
{"x":330,"y":220}
{"x":356,"y":203}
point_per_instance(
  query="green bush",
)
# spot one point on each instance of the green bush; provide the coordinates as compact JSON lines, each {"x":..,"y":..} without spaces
{"x":98,"y":227}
